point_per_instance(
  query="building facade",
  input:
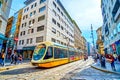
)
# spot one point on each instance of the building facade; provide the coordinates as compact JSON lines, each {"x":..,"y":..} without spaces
{"x":12,"y":31}
{"x":84,"y":44}
{"x":88,"y":48}
{"x":111,"y":25}
{"x":99,"y":41}
{"x":44,"y":20}
{"x":77,"y":36}
{"x":4,"y":13}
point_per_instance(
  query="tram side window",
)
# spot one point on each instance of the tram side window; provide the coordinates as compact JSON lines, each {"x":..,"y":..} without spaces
{"x":49,"y":53}
{"x":60,"y":53}
{"x":56,"y":53}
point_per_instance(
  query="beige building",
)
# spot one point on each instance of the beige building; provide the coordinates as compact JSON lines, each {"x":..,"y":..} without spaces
{"x":77,"y":36}
{"x":44,"y":20}
{"x":4,"y":13}
{"x":84,"y":41}
{"x":99,"y":41}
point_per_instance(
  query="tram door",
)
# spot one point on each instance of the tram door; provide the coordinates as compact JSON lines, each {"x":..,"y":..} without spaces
{"x":49,"y":53}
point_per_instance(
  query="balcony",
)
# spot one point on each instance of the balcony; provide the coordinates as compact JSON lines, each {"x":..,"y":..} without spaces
{"x":116,"y":10}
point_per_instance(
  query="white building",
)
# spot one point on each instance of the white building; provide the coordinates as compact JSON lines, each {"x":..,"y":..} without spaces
{"x":5,"y":6}
{"x":111,"y":25}
{"x":44,"y":20}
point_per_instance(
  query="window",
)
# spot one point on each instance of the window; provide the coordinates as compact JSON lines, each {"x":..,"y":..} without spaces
{"x":20,"y":42}
{"x":58,"y":9}
{"x":22,"y":24}
{"x":31,"y":40}
{"x":60,"y":53}
{"x":62,"y":27}
{"x":49,"y":53}
{"x":23,"y":17}
{"x":27,"y":41}
{"x":26,"y":16}
{"x":30,"y":22}
{"x":54,"y":12}
{"x":25,"y":23}
{"x":58,"y":41}
{"x":23,"y":32}
{"x":31,"y":6}
{"x":30,"y":14}
{"x":41,"y":18}
{"x":58,"y":24}
{"x":20,"y":33}
{"x":54,"y":30}
{"x":54,"y":21}
{"x":24,"y":10}
{"x":35,"y":4}
{"x":54,"y":4}
{"x":39,"y":39}
{"x":58,"y":33}
{"x":30,"y":31}
{"x":53,"y":40}
{"x":41,"y":1}
{"x":34,"y":12}
{"x":27,"y":8}
{"x":42,"y":9}
{"x":33,"y":21}
{"x":40,"y":28}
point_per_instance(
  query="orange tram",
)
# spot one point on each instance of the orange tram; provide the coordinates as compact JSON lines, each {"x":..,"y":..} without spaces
{"x":49,"y":54}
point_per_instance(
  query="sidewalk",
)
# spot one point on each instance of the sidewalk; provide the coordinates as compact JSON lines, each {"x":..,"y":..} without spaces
{"x":108,"y":67}
{"x":8,"y":65}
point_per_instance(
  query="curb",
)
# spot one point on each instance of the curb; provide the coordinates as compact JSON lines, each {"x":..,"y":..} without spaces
{"x":104,"y":70}
{"x":6,"y":68}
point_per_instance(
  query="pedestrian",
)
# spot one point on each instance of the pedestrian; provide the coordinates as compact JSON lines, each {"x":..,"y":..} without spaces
{"x":2,"y":57}
{"x":20,"y":59}
{"x":115,"y":56}
{"x":103,"y":64}
{"x":111,"y":60}
{"x":15,"y":57}
{"x":12,"y":58}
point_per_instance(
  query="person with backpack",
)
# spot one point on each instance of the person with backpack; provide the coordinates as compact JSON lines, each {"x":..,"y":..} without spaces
{"x":111,"y":60}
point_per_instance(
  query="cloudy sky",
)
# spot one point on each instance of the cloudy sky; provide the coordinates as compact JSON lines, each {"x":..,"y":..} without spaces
{"x":84,"y":12}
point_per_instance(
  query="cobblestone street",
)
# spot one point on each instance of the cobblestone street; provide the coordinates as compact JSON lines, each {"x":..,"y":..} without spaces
{"x":75,"y":71}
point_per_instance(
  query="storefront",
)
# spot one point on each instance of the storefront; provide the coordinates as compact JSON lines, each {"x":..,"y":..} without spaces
{"x":118,"y":47}
{"x":28,"y":52}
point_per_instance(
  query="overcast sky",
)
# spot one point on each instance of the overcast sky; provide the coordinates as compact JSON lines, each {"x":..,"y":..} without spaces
{"x":84,"y":12}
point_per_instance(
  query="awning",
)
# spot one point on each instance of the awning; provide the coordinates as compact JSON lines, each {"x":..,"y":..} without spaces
{"x":28,"y":48}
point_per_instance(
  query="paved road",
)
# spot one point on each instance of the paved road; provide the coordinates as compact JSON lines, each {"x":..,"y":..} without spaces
{"x":75,"y":70}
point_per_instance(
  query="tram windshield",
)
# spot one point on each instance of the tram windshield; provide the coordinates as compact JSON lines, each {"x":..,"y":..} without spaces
{"x":39,"y":51}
